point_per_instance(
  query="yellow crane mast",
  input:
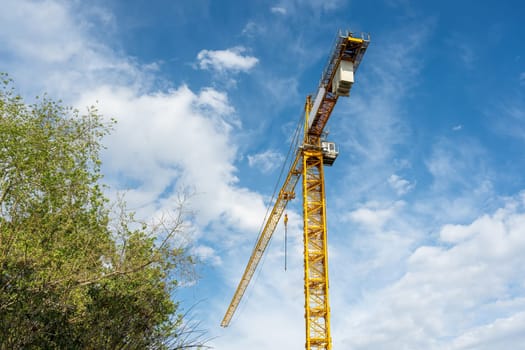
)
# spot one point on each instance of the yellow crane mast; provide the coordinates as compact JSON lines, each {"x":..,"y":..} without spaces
{"x":314,"y":152}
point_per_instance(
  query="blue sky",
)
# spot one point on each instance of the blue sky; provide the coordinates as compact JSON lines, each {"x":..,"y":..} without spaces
{"x":426,"y":202}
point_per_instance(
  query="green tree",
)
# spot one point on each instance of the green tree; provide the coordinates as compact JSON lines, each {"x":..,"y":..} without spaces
{"x":70,"y":275}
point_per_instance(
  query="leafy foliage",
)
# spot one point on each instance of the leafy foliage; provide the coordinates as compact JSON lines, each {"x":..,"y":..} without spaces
{"x":70,"y":276}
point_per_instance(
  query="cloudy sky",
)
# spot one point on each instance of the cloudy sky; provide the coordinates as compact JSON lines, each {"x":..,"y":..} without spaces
{"x":426,"y":202}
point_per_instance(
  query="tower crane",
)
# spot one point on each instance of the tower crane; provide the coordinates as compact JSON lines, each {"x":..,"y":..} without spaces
{"x":311,"y":155}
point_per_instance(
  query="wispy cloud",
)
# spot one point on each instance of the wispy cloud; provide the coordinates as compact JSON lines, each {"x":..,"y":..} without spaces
{"x":400,"y":185}
{"x":68,"y":59}
{"x":297,"y":5}
{"x":207,"y":254}
{"x":450,"y":293}
{"x":226,"y":60}
{"x":463,"y":49}
{"x":278,"y":10}
{"x":374,"y":215}
{"x":462,"y":180}
{"x":467,"y":54}
{"x":251,"y":29}
{"x":266,"y":161}
{"x":508,"y":117}
{"x":452,"y":161}
{"x":503,"y":333}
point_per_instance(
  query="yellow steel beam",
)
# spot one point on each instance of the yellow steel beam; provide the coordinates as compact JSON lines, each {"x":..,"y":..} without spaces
{"x":317,"y":310}
{"x":285,"y":195}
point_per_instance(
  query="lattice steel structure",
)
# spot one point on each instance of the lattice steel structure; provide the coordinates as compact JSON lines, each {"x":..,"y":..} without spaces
{"x":337,"y":80}
{"x":317,"y":309}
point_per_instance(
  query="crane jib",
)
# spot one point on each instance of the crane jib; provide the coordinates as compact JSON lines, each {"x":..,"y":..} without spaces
{"x":285,"y":195}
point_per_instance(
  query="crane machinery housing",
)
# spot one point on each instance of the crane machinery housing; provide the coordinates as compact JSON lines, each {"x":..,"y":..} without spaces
{"x":314,"y":152}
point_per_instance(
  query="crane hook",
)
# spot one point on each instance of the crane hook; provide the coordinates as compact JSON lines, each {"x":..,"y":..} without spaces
{"x":285,"y":238}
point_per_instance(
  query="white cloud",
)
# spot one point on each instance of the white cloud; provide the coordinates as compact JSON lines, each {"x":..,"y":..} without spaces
{"x":37,"y":37}
{"x":207,"y":254}
{"x":400,"y":185}
{"x":456,"y":233}
{"x":216,"y":102}
{"x":452,"y":297}
{"x":54,"y":40}
{"x":226,"y":60}
{"x":503,"y":333}
{"x":457,"y":127}
{"x":165,"y":140}
{"x":298,"y":5}
{"x":374,"y":215}
{"x":266,"y":161}
{"x":509,"y":119}
{"x":453,"y":162}
{"x":278,"y":10}
{"x":252,"y":28}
